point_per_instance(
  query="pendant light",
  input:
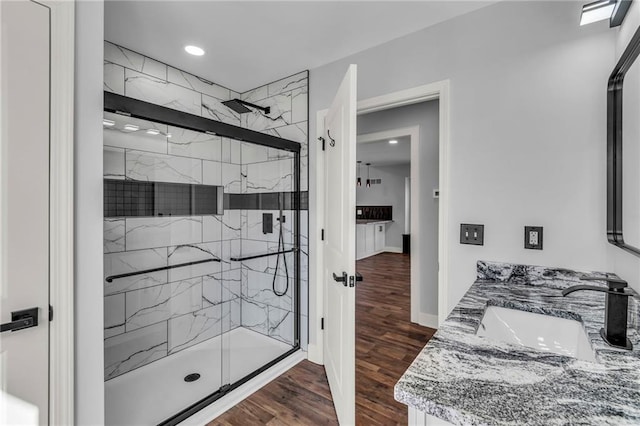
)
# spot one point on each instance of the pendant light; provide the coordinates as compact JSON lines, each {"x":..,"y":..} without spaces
{"x":368,"y":179}
{"x":359,"y":181}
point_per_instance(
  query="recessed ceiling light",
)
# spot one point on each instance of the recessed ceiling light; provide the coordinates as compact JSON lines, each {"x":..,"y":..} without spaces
{"x":131,"y":127}
{"x":108,"y":123}
{"x":393,"y":141}
{"x":153,"y":132}
{"x":194,"y":50}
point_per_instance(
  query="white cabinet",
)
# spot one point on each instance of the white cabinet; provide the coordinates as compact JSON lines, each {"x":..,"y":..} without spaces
{"x":379,"y":231}
{"x":370,"y":239}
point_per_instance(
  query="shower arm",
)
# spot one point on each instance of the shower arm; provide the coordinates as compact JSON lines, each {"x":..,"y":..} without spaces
{"x":266,"y":110}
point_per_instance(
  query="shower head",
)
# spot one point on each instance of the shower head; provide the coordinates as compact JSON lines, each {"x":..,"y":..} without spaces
{"x":239,"y":106}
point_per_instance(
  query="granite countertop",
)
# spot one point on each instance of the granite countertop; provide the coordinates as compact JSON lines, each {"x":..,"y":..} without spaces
{"x":467,"y":379}
{"x":371,"y":221}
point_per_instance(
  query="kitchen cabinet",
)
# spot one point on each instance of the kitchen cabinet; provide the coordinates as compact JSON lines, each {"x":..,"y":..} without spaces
{"x":370,"y":238}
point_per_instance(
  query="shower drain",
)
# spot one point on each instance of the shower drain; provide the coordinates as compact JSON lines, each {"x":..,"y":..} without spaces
{"x":191,"y":377}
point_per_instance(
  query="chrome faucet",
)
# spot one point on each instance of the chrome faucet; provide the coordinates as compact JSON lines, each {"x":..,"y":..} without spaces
{"x":614,"y":332}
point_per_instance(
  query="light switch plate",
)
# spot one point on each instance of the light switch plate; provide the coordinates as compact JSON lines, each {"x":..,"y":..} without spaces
{"x":472,"y":234}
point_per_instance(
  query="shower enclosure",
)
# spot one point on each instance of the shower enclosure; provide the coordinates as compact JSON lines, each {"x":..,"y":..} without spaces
{"x":201,"y":243}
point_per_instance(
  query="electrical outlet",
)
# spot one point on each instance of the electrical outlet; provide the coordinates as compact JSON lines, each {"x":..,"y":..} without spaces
{"x":533,"y":237}
{"x":472,"y":234}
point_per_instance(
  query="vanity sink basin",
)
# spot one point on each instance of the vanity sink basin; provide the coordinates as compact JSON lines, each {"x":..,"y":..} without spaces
{"x":542,"y":332}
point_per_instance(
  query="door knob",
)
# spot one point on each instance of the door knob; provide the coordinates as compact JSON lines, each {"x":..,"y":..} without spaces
{"x":20,"y":320}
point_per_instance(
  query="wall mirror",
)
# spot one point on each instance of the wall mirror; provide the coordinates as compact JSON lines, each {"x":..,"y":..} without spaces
{"x":623,"y":150}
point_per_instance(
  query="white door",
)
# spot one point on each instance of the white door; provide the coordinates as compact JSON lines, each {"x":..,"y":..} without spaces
{"x":24,"y":211}
{"x":340,"y":248}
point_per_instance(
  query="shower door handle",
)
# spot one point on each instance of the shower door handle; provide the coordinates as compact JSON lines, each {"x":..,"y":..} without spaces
{"x":341,"y":278}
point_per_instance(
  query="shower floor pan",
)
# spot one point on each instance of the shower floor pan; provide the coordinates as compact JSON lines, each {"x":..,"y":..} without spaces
{"x":157,"y":391}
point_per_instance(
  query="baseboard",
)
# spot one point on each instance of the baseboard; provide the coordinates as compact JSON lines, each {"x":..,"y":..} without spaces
{"x":227,"y":402}
{"x":393,"y":249}
{"x":314,"y":354}
{"x":428,"y":320}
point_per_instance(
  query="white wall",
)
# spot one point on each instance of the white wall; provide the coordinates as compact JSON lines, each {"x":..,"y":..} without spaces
{"x":625,"y":264}
{"x":89,"y":371}
{"x":388,"y":193}
{"x":528,"y":127}
{"x":426,"y":116}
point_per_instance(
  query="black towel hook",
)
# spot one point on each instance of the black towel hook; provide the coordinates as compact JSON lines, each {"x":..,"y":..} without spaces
{"x":333,"y":141}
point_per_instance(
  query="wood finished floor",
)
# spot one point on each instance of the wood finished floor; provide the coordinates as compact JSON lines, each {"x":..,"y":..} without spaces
{"x":386,"y":343}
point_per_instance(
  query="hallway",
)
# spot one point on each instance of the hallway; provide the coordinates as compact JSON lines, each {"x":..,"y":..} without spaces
{"x":386,"y":343}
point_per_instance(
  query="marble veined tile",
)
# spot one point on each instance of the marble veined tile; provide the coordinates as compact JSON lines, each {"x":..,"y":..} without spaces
{"x":255,"y":316}
{"x":221,"y":287}
{"x":294,"y":132}
{"x":281,"y":325}
{"x":299,"y":105}
{"x":230,"y":248}
{"x":149,"y":232}
{"x":212,"y":173}
{"x":198,"y":84}
{"x":304,"y":332}
{"x":231,"y":314}
{"x":271,"y":176}
{"x":214,"y":109}
{"x":187,"y":143}
{"x":113,"y":163}
{"x":211,"y":228}
{"x":160,"y":92}
{"x":256,"y":94}
{"x":191,"y":253}
{"x":113,"y":78}
{"x":140,"y":140}
{"x":259,"y":289}
{"x":231,"y":224}
{"x":231,"y":151}
{"x":195,"y":327}
{"x":231,"y":178}
{"x":135,"y":61}
{"x":280,"y":114}
{"x":129,"y":351}
{"x":113,"y":235}
{"x":162,"y":168}
{"x":133,"y":261}
{"x":154,"y":304}
{"x":289,"y":83}
{"x":251,"y":248}
{"x":114,"y":317}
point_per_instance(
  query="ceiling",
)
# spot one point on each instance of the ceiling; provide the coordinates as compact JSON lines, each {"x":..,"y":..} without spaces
{"x":382,"y":153}
{"x":251,"y":43}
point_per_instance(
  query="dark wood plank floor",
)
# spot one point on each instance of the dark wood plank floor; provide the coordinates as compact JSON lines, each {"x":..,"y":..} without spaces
{"x":386,"y":343}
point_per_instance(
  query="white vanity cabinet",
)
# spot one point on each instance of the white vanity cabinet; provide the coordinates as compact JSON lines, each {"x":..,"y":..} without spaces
{"x":370,"y":238}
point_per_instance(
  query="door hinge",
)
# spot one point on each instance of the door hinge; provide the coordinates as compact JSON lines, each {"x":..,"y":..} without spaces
{"x":322,"y":235}
{"x":352,"y":281}
{"x":321,"y":323}
{"x":50,"y":313}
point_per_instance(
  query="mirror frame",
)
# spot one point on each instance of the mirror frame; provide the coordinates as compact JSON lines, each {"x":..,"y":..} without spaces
{"x":614,"y":145}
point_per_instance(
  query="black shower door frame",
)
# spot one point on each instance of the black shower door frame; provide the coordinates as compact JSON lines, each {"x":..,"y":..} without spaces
{"x":135,"y":108}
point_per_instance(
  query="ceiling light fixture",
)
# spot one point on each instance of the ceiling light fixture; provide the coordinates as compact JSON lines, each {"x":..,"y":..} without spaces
{"x":359,"y":181}
{"x":153,"y":132}
{"x":393,"y":141}
{"x":131,"y":127}
{"x":368,"y":179}
{"x":614,"y":10}
{"x":194,"y":50}
{"x":108,"y":123}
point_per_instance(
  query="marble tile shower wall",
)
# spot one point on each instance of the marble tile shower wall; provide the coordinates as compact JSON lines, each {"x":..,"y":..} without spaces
{"x":154,"y":315}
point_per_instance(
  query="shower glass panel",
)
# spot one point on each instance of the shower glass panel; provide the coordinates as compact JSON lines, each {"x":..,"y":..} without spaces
{"x":201,"y":260}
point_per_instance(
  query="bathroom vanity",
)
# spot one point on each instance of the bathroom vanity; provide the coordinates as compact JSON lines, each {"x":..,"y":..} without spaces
{"x":465,"y":375}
